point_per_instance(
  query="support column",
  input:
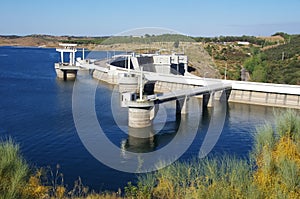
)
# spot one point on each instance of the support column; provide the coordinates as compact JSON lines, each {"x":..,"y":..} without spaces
{"x":65,"y":75}
{"x":185,"y":68}
{"x":140,"y":114}
{"x":139,"y":117}
{"x":62,"y":57}
{"x":128,"y":64}
{"x":182,"y":106}
{"x":208,"y":100}
{"x":225,"y":95}
{"x":71,"y":59}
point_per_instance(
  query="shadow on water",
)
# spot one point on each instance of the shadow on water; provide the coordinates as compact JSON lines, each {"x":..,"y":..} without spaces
{"x":209,"y":127}
{"x":144,"y":140}
{"x":159,"y":135}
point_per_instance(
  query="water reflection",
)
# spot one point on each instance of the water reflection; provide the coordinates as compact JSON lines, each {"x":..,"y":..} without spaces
{"x":149,"y":139}
{"x":208,"y":125}
{"x":144,"y":140}
{"x":141,"y":140}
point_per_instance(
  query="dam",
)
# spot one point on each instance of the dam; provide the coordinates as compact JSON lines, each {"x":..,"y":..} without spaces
{"x":146,"y":80}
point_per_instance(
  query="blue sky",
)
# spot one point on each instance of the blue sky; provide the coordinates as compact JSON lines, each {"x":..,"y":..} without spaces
{"x":190,"y":17}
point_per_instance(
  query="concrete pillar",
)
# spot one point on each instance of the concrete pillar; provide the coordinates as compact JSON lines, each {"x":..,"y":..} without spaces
{"x":182,"y":106}
{"x":71,"y":59}
{"x":212,"y":100}
{"x":62,"y":57}
{"x":140,"y":115}
{"x":65,"y":75}
{"x":185,"y":68}
{"x":225,"y":95}
{"x":154,"y":111}
{"x":205,"y":100}
{"x":208,"y":100}
{"x":128,"y":64}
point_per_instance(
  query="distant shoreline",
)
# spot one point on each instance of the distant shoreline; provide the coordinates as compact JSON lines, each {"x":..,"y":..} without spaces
{"x":213,"y":57}
{"x":89,"y":42}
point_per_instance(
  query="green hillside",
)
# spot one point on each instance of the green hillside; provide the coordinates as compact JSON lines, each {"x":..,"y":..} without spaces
{"x":272,"y":61}
{"x":283,"y":62}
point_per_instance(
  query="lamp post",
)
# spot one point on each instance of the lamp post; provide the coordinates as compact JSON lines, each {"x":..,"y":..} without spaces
{"x":141,"y":84}
{"x":225,"y":75}
{"x":204,"y":78}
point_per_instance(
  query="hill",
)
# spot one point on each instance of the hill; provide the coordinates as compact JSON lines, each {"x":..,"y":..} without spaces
{"x":274,"y":59}
{"x":283,"y":62}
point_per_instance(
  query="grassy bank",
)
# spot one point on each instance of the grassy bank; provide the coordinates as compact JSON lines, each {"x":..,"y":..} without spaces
{"x":272,"y":171}
{"x":13,"y":170}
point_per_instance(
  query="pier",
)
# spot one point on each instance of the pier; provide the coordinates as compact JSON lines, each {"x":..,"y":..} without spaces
{"x":67,"y":70}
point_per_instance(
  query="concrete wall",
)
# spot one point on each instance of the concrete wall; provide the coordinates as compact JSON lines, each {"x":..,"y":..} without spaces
{"x":266,"y":99}
{"x":110,"y":77}
{"x":279,"y":95}
{"x":276,"y":95}
{"x":265,"y":87}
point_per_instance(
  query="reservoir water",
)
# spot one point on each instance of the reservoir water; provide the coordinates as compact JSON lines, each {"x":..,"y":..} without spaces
{"x":36,"y":111}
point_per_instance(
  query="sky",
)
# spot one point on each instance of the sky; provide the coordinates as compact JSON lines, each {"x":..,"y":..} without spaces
{"x":112,"y":17}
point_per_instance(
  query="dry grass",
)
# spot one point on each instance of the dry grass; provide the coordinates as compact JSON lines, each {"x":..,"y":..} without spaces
{"x":273,"y":38}
{"x":272,"y":172}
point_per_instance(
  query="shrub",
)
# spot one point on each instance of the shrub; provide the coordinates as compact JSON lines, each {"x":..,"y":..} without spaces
{"x":13,"y":170}
{"x":272,"y":171}
{"x":278,"y":157}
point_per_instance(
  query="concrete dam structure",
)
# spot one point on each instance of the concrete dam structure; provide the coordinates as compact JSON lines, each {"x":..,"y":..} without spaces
{"x":147,"y":80}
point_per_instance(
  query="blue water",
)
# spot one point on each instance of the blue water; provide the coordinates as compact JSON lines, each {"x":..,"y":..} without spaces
{"x":36,"y":111}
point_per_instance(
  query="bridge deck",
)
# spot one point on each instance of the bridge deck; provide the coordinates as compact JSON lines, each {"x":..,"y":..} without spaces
{"x":181,"y":94}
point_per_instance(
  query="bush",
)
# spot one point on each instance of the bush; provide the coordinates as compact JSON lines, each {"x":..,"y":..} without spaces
{"x":13,"y":170}
{"x":272,"y":171}
{"x":277,"y":155}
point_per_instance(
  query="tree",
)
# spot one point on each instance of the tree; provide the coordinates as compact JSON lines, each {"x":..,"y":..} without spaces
{"x":257,"y":67}
{"x":176,"y":44}
{"x":258,"y":59}
{"x":259,"y":74}
{"x":251,"y":63}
